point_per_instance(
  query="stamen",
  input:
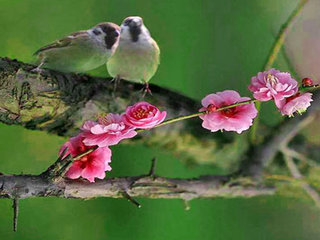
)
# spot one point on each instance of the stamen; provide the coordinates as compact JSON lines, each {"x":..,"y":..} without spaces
{"x":272,"y":80}
{"x":141,"y":113}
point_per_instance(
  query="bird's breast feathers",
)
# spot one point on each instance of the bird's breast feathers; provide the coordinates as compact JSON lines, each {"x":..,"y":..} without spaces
{"x":135,"y":61}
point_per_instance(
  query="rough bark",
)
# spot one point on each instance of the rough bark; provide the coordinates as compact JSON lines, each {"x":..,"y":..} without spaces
{"x":59,"y":103}
{"x":26,"y":186}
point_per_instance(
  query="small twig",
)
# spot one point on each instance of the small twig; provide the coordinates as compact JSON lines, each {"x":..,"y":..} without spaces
{"x":292,"y":166}
{"x":296,"y":174}
{"x":65,"y":165}
{"x":51,"y":171}
{"x":283,"y":33}
{"x":291,"y":68}
{"x":130,"y":199}
{"x":198,"y":114}
{"x":186,"y":204}
{"x":85,"y":153}
{"x":262,"y":156}
{"x":15,"y":207}
{"x":310,"y":88}
{"x":298,"y":127}
{"x":273,"y":54}
{"x":153,"y":166}
{"x":58,"y":169}
{"x":294,"y":154}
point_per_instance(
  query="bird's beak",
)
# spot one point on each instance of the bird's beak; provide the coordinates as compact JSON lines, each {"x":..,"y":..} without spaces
{"x":134,"y":23}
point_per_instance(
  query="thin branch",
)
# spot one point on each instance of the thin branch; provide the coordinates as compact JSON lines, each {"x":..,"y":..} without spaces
{"x":153,"y":167}
{"x":311,"y":88}
{"x":15,"y":207}
{"x":57,"y":170}
{"x":294,"y":154}
{"x":289,"y":63}
{"x":186,"y":204}
{"x":296,"y":174}
{"x":273,"y":54}
{"x":282,"y":35}
{"x":130,"y":199}
{"x":198,"y":114}
{"x":261,"y":156}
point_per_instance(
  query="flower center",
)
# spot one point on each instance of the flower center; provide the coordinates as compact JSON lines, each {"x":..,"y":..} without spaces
{"x":85,"y":160}
{"x":81,"y":149}
{"x":103,"y":119}
{"x":229,"y":112}
{"x":141,"y":113}
{"x":272,"y":80}
{"x":211,"y":108}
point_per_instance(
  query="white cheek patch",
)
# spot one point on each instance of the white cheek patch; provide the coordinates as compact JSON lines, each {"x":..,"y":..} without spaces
{"x":125,"y":33}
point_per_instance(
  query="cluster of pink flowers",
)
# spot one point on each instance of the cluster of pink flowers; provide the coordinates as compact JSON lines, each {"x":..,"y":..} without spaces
{"x":268,"y":85}
{"x":283,"y":89}
{"x":107,"y":131}
{"x":225,"y":110}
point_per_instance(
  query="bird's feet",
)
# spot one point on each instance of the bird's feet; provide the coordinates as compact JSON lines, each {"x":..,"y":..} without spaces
{"x":146,"y":89}
{"x":116,"y":81}
{"x":37,"y":70}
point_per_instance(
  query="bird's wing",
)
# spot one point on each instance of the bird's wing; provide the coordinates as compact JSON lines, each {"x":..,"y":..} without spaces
{"x":64,"y":42}
{"x":157,"y":51}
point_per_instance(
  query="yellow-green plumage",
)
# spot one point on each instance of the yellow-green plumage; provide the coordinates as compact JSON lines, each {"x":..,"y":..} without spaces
{"x":73,"y":54}
{"x":136,"y":63}
{"x":81,"y":51}
{"x":137,"y":56}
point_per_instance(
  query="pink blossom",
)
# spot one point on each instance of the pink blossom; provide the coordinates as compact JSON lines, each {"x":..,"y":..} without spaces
{"x":143,"y":115}
{"x":273,"y":84}
{"x":109,"y":130}
{"x":236,"y":119}
{"x":297,"y":103}
{"x":90,"y":166}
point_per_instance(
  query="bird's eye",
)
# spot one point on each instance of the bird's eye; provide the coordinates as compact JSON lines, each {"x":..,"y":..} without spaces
{"x":96,"y":32}
{"x":115,"y":33}
{"x":128,"y":21}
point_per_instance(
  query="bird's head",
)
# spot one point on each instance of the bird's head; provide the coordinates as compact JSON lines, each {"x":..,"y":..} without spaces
{"x":108,"y":33}
{"x":132,"y":28}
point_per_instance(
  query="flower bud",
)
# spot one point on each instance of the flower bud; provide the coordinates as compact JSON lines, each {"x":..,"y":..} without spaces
{"x":307,"y":82}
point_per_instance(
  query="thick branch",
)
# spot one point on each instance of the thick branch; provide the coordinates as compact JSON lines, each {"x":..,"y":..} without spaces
{"x":59,"y":103}
{"x":26,"y":186}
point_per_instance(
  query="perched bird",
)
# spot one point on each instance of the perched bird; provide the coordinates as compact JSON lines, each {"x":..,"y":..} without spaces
{"x":137,"y":56}
{"x":80,"y":51}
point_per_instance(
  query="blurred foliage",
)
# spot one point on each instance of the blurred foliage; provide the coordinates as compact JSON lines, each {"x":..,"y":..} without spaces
{"x":206,"y":46}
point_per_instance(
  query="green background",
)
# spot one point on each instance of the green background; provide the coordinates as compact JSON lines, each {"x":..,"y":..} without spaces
{"x":206,"y":46}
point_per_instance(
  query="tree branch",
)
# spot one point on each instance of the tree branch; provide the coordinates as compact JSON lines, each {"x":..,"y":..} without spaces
{"x":59,"y":103}
{"x":273,"y":54}
{"x":261,"y":156}
{"x":26,"y":186}
{"x":296,"y":174}
{"x":283,"y":33}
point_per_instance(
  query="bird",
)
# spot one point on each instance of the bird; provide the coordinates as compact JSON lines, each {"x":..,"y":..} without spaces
{"x":80,"y":51}
{"x":137,"y":56}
